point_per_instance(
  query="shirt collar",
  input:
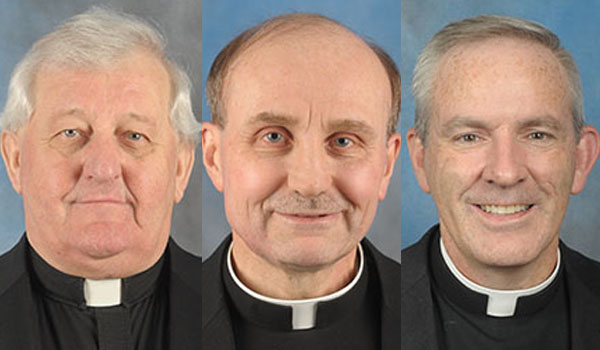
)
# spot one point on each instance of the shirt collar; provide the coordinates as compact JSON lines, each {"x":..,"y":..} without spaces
{"x":500,"y":303}
{"x":82,"y":292}
{"x":304,"y":311}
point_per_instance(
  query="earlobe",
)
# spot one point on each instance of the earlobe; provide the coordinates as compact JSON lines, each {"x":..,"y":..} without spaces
{"x":211,"y":153}
{"x":11,"y":153}
{"x":393,"y":148}
{"x":586,"y":155}
{"x":185,"y":164}
{"x":416,"y":150}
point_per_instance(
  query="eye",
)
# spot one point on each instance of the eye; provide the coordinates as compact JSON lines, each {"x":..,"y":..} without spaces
{"x":538,"y":136}
{"x":70,"y":133}
{"x":134,"y":136}
{"x":342,"y":142}
{"x":273,"y":137}
{"x":468,"y":138}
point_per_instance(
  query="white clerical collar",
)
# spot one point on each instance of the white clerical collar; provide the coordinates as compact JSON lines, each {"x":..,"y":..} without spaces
{"x":501,"y":303}
{"x":304,"y":311}
{"x":102,"y":293}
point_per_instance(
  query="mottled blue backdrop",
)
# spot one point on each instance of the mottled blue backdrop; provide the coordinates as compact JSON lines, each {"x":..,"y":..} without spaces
{"x":577,"y":25}
{"x":378,"y":20}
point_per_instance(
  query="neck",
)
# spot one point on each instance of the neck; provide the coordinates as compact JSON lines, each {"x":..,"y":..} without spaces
{"x":290,"y":283}
{"x":504,"y":277}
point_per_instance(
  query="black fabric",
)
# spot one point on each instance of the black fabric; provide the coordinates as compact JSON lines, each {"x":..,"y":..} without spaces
{"x":28,"y":307}
{"x":349,"y":322}
{"x":420,"y":330}
{"x":463,"y":323}
{"x":138,"y":323}
{"x":383,"y":290}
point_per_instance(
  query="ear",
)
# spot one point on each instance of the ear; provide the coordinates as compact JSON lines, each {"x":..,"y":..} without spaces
{"x":586,"y":155}
{"x":211,"y":152}
{"x":393,"y":148}
{"x":416,"y":150}
{"x":186,"y":154}
{"x":11,"y":153}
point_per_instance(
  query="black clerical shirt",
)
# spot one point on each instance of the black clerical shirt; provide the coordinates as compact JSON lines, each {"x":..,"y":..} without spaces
{"x":540,"y":321}
{"x":66,"y":322}
{"x":349,"y":322}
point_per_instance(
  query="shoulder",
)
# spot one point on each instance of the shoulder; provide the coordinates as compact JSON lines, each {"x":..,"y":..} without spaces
{"x":213,"y":294}
{"x":185,"y":265}
{"x":415,"y":260}
{"x":586,"y":270}
{"x":13,"y":266}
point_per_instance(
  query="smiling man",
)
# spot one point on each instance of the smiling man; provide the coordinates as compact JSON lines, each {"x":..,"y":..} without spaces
{"x":302,"y":145}
{"x":500,"y":142}
{"x":98,"y":137}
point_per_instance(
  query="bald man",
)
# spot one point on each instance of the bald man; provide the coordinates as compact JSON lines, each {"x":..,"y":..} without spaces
{"x":302,"y":145}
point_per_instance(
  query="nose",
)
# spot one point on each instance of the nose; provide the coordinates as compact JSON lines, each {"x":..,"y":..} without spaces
{"x":505,"y":163}
{"x":308,"y":170}
{"x":102,"y":160}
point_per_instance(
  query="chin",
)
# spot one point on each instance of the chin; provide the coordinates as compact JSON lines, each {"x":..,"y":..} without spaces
{"x":310,"y":257}
{"x":102,"y":240}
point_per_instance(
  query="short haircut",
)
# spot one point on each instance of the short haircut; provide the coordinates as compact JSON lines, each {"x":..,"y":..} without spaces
{"x":96,"y":39}
{"x":479,"y":29}
{"x":222,"y":64}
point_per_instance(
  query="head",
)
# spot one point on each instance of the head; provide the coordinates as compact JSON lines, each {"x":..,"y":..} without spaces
{"x":499,"y":139}
{"x":98,"y":137}
{"x":303,"y":141}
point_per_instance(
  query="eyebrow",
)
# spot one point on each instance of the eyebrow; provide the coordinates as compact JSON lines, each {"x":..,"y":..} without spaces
{"x":272,"y":118}
{"x":545,"y":121}
{"x":352,"y":126}
{"x":142,"y":118}
{"x":470,"y":122}
{"x":460,"y":122}
{"x":80,"y":113}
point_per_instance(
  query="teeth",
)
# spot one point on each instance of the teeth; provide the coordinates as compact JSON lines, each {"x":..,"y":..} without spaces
{"x":504,"y":209}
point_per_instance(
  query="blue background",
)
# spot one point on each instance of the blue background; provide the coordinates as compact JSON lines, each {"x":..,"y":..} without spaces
{"x":577,"y":25}
{"x":377,"y":20}
{"x":23,"y":22}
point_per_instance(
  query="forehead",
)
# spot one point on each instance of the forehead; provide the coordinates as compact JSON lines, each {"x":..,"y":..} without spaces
{"x":137,"y":81}
{"x":333,"y":73}
{"x":501,"y":70}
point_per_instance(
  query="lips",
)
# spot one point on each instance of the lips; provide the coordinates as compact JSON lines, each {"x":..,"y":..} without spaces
{"x":504,"y":209}
{"x":309,"y":217}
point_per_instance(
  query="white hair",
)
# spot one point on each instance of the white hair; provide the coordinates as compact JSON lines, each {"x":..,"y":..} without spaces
{"x":96,"y":39}
{"x":478,"y":29}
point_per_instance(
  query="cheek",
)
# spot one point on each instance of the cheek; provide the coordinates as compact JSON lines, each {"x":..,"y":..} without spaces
{"x":151,"y":182}
{"x":46,"y":175}
{"x":249,"y":182}
{"x":451,"y":173}
{"x":553,"y":171}
{"x":359,"y":181}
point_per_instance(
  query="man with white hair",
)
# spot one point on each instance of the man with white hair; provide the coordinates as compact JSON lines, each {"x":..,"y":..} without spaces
{"x":98,"y":137}
{"x":501,"y":144}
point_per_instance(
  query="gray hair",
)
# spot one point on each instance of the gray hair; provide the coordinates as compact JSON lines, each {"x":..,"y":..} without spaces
{"x":96,"y":39}
{"x":478,"y":29}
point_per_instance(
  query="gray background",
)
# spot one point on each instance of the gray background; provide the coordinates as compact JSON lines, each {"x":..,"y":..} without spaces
{"x":22,"y":22}
{"x":378,"y":20}
{"x":576,"y":23}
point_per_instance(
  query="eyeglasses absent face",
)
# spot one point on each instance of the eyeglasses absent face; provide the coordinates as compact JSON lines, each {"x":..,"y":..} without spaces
{"x":100,"y":166}
{"x":303,"y":158}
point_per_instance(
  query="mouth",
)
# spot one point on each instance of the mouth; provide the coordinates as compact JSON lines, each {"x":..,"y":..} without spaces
{"x":504,"y":210}
{"x":309,"y":217}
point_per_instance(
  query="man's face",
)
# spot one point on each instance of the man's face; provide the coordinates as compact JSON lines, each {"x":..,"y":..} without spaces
{"x":99,"y":166}
{"x":500,"y":158}
{"x":304,"y":156}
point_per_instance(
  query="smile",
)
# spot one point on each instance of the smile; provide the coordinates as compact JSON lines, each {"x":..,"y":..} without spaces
{"x":309,"y":217}
{"x":504,"y":209}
